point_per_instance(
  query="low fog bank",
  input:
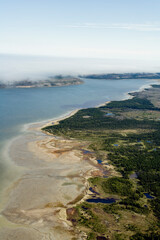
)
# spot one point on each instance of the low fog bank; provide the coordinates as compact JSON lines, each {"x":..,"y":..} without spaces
{"x":16,"y":68}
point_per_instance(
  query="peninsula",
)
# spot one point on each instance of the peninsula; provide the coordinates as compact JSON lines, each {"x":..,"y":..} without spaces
{"x":123,"y":195}
{"x":116,"y":76}
{"x":56,"y":81}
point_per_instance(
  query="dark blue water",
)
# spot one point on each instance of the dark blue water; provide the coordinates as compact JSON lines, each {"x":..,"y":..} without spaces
{"x":99,"y":161}
{"x":148,"y":196}
{"x":86,"y":151}
{"x":101,"y":200}
{"x":116,"y":145}
{"x":93,"y":191}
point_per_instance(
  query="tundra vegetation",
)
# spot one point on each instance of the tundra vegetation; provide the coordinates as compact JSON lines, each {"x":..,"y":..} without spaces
{"x":128,"y":139}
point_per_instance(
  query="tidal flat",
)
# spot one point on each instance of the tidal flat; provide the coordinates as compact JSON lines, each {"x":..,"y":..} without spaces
{"x":54,"y":181}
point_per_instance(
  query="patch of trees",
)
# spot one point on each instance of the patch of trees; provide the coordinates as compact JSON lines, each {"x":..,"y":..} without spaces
{"x":117,"y":185}
{"x":134,"y":103}
{"x":98,"y":121}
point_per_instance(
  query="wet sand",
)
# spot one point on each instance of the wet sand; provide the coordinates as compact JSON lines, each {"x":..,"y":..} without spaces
{"x":55,"y":178}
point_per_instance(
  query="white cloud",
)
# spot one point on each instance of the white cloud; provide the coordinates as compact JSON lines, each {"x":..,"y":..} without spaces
{"x":124,"y":26}
{"x":14,"y":67}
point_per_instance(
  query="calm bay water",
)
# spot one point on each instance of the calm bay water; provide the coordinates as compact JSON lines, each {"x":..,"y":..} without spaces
{"x":22,"y":106}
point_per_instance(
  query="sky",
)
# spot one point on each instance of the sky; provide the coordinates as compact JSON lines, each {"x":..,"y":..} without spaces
{"x":124,"y":30}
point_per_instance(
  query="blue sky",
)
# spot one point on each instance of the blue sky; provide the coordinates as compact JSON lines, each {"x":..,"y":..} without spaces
{"x":114,"y":35}
{"x":86,"y":28}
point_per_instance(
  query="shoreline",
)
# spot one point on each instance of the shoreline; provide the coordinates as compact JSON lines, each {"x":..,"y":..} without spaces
{"x":128,"y":95}
{"x":45,"y":123}
{"x":32,"y":126}
{"x":72,"y":112}
{"x":60,"y":118}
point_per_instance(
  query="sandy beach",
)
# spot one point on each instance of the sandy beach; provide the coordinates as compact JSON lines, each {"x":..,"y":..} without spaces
{"x":57,"y":120}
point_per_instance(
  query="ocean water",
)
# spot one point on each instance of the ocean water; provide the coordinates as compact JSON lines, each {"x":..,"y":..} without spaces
{"x":23,"y":106}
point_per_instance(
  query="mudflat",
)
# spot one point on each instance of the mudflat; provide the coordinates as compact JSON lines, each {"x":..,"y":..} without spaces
{"x":55,"y":179}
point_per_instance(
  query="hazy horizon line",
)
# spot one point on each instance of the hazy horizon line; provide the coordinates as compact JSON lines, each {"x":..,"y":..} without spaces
{"x":18,"y":67}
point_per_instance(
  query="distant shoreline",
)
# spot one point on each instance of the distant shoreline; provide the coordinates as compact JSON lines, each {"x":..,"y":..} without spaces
{"x":128,"y":95}
{"x":122,"y":76}
{"x":50,"y":82}
{"x":61,"y":81}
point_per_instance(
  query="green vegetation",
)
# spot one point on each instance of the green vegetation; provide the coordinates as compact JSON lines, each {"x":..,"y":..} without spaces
{"x":118,"y":186}
{"x":132,"y":145}
{"x":136,"y":103}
